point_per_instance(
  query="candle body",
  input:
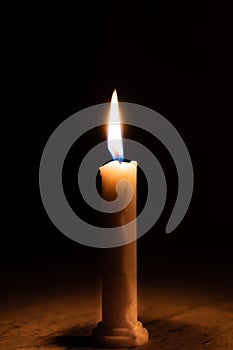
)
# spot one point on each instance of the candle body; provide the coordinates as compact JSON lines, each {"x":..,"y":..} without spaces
{"x":119,"y":265}
{"x":120,"y":326}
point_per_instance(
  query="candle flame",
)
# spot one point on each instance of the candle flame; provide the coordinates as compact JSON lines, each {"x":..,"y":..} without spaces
{"x":115,"y":145}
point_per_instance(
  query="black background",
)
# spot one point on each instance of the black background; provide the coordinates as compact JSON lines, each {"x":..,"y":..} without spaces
{"x":172,"y":58}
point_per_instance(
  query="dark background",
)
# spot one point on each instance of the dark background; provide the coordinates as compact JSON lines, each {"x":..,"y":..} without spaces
{"x":172,"y":58}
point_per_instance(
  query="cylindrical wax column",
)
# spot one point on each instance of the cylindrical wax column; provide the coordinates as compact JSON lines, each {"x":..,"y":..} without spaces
{"x":119,"y":326}
{"x":119,"y":282}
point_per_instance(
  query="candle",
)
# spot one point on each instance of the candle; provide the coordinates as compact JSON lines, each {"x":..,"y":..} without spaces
{"x":119,"y":326}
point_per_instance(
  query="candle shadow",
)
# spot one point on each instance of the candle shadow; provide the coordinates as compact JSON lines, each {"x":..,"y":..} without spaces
{"x":73,"y":338}
{"x":73,"y":341}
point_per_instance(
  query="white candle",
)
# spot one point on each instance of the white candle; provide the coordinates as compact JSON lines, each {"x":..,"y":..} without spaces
{"x":120,"y":326}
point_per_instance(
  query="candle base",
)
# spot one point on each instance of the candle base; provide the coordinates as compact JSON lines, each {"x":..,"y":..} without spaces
{"x":115,"y":338}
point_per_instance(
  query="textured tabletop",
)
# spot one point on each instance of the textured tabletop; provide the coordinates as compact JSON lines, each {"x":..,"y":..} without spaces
{"x":43,"y":309}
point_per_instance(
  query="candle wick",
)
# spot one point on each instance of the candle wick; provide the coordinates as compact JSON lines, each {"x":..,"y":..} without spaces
{"x":119,"y":158}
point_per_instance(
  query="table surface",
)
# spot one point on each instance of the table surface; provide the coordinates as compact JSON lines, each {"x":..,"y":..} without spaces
{"x":40,"y":311}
